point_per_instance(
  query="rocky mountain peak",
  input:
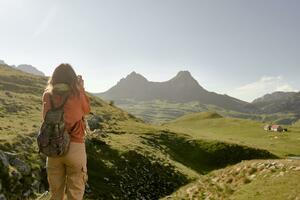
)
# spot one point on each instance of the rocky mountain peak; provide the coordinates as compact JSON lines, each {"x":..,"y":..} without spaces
{"x":133,"y":76}
{"x":186,"y":74}
{"x":184,"y":78}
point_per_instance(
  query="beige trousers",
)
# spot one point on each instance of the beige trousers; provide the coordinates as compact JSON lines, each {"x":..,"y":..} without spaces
{"x":68,"y":174}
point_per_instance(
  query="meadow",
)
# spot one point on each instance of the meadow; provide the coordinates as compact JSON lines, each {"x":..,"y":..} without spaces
{"x":212,"y":126}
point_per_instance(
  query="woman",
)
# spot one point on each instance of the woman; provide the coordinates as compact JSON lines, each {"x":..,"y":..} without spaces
{"x":68,"y":173}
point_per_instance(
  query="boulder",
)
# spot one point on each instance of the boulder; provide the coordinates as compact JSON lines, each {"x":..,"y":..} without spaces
{"x":4,"y":164}
{"x":21,"y":166}
{"x":2,"y":197}
{"x":94,"y":122}
{"x":15,"y":175}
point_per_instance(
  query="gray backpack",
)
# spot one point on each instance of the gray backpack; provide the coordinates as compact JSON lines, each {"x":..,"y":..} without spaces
{"x":53,"y":139}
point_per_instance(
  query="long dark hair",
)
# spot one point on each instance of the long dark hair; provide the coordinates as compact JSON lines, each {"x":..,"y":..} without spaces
{"x":64,"y":73}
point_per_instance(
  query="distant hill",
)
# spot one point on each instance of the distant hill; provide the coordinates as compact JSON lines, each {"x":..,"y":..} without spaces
{"x":198,"y":116}
{"x":2,"y":62}
{"x":279,"y":102}
{"x":276,"y":96}
{"x":30,"y":69}
{"x":25,"y":68}
{"x":182,"y":88}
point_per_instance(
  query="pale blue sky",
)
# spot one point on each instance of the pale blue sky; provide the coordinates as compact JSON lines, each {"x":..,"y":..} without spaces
{"x":242,"y":48}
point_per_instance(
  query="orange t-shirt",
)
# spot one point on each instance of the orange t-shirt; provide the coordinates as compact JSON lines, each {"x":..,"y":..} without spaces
{"x":74,"y":110}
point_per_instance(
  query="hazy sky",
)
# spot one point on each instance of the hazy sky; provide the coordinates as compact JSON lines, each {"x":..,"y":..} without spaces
{"x":238,"y":47}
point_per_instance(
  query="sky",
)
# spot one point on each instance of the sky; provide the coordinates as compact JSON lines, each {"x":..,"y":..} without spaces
{"x":243,"y":48}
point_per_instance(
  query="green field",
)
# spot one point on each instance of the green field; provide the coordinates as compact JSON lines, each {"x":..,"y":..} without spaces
{"x":212,"y":126}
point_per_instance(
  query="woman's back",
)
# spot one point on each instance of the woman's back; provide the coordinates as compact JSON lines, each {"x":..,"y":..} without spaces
{"x":75,"y":108}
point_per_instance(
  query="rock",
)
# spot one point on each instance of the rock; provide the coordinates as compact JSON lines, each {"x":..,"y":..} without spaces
{"x":280,"y":166}
{"x":260,"y":166}
{"x":2,"y":197}
{"x":4,"y":163}
{"x":35,"y":186}
{"x":106,"y":179}
{"x":215,"y":180}
{"x":281,"y":174}
{"x":21,"y":166}
{"x":272,"y":168}
{"x":292,"y":167}
{"x":8,"y":94}
{"x":297,"y":169}
{"x":252,"y":176}
{"x":15,"y":175}
{"x":27,"y":193}
{"x":95,"y":122}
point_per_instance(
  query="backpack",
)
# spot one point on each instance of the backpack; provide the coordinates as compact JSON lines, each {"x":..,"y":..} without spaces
{"x":53,"y":139}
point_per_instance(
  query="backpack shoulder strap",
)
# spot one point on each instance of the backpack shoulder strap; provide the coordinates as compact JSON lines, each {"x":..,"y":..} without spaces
{"x":51,"y":101}
{"x":65,"y":98}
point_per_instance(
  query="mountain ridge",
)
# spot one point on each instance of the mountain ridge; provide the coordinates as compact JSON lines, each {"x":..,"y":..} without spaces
{"x":30,"y":69}
{"x":25,"y":68}
{"x":278,"y":95}
{"x":279,"y":102}
{"x":181,"y":88}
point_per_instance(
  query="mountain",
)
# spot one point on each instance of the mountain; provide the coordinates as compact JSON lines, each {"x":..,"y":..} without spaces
{"x":276,"y":96}
{"x":2,"y":62}
{"x":30,"y":69}
{"x":25,"y":68}
{"x":182,"y":88}
{"x":279,"y":102}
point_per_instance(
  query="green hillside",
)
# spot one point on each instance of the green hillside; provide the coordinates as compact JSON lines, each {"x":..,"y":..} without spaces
{"x":158,"y":111}
{"x":245,"y":132}
{"x":127,"y":159}
{"x":251,"y":180}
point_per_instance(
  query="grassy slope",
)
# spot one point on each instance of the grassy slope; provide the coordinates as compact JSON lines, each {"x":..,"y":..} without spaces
{"x":252,"y":180}
{"x":126,"y":158}
{"x":16,"y":88}
{"x":21,"y":105}
{"x":20,"y":112}
{"x":245,"y":132}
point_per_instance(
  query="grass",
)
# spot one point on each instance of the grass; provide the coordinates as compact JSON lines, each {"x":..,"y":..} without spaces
{"x":257,"y":179}
{"x":126,"y":158}
{"x":239,"y":131}
{"x":20,"y":103}
{"x":271,"y":187}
